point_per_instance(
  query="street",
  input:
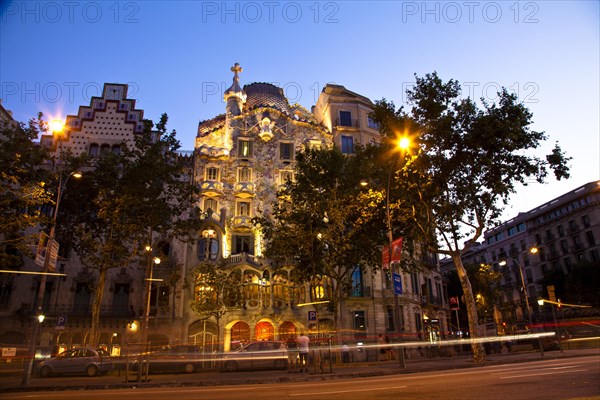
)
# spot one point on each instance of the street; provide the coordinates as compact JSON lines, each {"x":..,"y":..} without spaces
{"x":567,"y":378}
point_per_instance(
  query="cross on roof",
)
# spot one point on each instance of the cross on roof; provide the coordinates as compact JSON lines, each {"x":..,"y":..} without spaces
{"x":236,"y":69}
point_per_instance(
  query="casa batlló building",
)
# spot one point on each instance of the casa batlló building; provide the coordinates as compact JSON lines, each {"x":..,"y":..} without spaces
{"x":240,"y":160}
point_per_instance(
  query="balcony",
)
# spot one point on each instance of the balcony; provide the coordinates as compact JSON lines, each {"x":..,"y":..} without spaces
{"x":79,"y":310}
{"x":210,"y":214}
{"x":242,"y":258}
{"x":346,"y":125}
{"x":242,"y":222}
{"x":360,"y":292}
{"x":211,"y":188}
{"x":244,"y":189}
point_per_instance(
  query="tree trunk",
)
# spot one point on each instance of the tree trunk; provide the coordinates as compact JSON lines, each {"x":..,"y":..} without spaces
{"x":337,"y":320}
{"x":98,"y":294}
{"x":469,"y":300}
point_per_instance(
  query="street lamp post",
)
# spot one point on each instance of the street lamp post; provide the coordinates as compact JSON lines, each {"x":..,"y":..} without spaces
{"x":541,"y":304}
{"x":532,"y":250}
{"x":42,"y":288}
{"x":149,"y":279}
{"x":403,"y":144}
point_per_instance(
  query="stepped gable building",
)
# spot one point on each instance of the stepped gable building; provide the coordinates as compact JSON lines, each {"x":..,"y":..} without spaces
{"x":107,"y":124}
{"x":103,"y":126}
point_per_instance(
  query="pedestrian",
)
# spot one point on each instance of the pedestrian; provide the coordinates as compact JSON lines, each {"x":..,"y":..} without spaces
{"x":303,"y":342}
{"x":292,"y":352}
{"x":345,"y":354}
{"x":381,"y":348}
{"x":388,"y":348}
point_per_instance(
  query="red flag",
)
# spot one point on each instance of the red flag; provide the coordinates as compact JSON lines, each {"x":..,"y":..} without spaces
{"x":396,"y":253}
{"x":397,"y":250}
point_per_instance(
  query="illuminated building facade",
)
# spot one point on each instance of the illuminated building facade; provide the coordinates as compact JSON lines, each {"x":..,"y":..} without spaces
{"x":241,"y":158}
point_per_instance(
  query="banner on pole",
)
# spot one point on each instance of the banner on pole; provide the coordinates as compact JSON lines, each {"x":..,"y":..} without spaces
{"x":40,"y":253}
{"x":53,"y":256}
{"x":396,"y":253}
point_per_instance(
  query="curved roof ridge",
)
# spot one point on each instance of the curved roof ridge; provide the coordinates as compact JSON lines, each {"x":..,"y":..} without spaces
{"x":263,"y":94}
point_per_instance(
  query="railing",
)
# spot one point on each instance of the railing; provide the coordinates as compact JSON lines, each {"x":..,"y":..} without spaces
{"x":242,"y":257}
{"x":242,"y":221}
{"x":78,"y":310}
{"x":359,"y":292}
{"x":352,"y":124}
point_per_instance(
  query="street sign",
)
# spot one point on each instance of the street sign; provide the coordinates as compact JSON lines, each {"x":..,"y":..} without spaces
{"x":312,"y":315}
{"x":397,"y":283}
{"x":9,"y":351}
{"x":454,"y":305}
{"x":61,"y":321}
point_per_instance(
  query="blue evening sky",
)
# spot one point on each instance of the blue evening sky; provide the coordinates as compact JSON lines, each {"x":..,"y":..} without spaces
{"x":55,"y":55}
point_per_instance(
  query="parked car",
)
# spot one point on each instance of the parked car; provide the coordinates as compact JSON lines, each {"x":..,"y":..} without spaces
{"x":91,"y":362}
{"x":265,"y":354}
{"x":183,"y":358}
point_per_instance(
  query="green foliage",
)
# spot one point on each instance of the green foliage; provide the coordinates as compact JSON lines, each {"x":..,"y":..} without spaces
{"x":324,"y":223}
{"x":466,"y":163}
{"x":470,"y":158}
{"x":485,"y":282}
{"x":23,"y":188}
{"x":218,"y":289}
{"x":126,"y":198}
{"x":124,"y":201}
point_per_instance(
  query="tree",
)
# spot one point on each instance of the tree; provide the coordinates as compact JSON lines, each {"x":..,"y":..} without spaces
{"x":126,"y":203}
{"x":468,"y":163}
{"x":322,"y":226}
{"x":485,"y":283}
{"x":219,"y":290}
{"x":22,"y":191}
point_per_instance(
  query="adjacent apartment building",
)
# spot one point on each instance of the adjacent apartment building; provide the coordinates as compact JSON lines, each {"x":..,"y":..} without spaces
{"x":563,"y":232}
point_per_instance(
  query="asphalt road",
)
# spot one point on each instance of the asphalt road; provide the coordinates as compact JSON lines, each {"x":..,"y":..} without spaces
{"x":567,"y":378}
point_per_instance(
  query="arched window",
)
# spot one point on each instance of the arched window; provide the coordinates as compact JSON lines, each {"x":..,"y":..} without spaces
{"x":287,"y":330}
{"x":264,"y":331}
{"x":208,"y":245}
{"x":357,"y":282}
{"x":240,"y":333}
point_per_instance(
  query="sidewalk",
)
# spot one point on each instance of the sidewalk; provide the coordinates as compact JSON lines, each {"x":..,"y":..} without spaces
{"x":12,"y":382}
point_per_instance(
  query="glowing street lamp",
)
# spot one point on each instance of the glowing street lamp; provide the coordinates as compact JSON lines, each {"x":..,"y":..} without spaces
{"x":56,"y":125}
{"x":532,"y":250}
{"x":45,"y":272}
{"x":403,"y":144}
{"x":150,"y":270}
